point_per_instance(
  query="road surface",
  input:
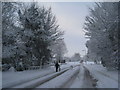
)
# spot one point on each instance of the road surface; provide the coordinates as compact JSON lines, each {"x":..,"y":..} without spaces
{"x":73,"y":77}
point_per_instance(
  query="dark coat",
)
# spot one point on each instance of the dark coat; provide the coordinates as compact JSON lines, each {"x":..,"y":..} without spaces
{"x":57,"y":65}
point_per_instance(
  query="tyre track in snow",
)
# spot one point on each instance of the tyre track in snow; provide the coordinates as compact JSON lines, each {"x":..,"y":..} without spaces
{"x":89,"y":80}
{"x":23,"y":81}
{"x":61,"y":80}
{"x":82,"y":80}
{"x":32,"y":83}
{"x":36,"y":81}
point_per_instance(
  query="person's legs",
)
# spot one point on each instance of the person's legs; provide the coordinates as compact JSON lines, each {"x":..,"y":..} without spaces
{"x":56,"y":69}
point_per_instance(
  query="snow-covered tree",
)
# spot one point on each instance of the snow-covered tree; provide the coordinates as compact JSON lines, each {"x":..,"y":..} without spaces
{"x":41,"y":23}
{"x":102,"y":27}
{"x":13,"y":48}
{"x":59,"y":49}
{"x":28,"y":32}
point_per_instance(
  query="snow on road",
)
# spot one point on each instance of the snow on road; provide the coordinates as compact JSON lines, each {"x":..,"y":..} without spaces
{"x":76,"y":77}
{"x":36,"y":82}
{"x":78,"y":82}
{"x":81,"y":80}
{"x":10,"y":79}
{"x":106,"y":79}
{"x":61,"y":80}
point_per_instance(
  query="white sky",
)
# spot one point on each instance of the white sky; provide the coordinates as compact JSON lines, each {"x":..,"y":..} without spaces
{"x":71,"y":17}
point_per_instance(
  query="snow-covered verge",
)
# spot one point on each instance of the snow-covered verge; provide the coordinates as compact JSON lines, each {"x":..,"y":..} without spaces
{"x":61,"y":80}
{"x":10,"y":79}
{"x":106,"y":79}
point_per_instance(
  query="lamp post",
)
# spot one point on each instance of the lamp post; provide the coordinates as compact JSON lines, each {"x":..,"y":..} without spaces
{"x":85,"y":55}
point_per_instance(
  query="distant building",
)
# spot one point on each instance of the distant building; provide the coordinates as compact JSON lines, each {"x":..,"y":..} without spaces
{"x":76,"y":57}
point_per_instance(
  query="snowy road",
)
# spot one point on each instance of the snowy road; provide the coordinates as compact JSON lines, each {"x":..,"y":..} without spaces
{"x":13,"y":79}
{"x":34,"y":83}
{"x":60,"y":81}
{"x":84,"y":76}
{"x":78,"y":76}
{"x":72,"y":77}
{"x":82,"y":80}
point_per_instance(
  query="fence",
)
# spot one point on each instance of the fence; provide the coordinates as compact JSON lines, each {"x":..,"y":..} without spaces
{"x":37,"y":67}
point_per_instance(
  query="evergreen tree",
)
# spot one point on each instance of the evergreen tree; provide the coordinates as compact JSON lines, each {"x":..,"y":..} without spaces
{"x":28,"y":33}
{"x":102,"y":28}
{"x":42,"y":24}
{"x":11,"y":33}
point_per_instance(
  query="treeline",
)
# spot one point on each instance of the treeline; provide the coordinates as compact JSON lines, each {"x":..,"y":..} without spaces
{"x":29,"y":32}
{"x":102,"y":30}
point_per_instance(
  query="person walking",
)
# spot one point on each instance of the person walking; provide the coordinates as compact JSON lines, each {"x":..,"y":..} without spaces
{"x":57,"y":66}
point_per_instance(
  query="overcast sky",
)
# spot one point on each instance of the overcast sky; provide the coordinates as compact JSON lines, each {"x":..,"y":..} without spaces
{"x":71,"y":17}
